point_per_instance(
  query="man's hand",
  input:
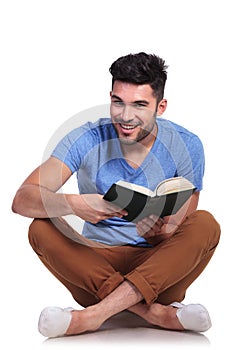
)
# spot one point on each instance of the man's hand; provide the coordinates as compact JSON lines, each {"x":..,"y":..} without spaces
{"x":93,"y":208}
{"x":154,"y":229}
{"x":149,"y":226}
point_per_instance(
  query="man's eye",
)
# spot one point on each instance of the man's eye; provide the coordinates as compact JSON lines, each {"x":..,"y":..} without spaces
{"x":118,"y":103}
{"x":139,"y":105}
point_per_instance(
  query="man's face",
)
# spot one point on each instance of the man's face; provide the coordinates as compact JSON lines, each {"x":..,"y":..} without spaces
{"x":133,"y":111}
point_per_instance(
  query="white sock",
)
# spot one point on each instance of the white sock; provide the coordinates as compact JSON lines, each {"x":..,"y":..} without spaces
{"x":54,"y":321}
{"x":193,"y":317}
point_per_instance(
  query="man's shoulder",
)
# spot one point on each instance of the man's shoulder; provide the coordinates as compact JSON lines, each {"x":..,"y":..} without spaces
{"x":101,"y":128}
{"x":169,"y":127}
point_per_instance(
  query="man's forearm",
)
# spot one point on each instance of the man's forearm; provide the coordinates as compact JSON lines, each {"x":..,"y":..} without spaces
{"x":38,"y":202}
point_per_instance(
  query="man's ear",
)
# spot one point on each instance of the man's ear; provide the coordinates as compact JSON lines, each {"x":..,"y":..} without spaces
{"x":162,"y":107}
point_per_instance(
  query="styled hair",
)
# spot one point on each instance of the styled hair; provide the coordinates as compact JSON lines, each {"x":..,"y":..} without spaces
{"x":141,"y":68}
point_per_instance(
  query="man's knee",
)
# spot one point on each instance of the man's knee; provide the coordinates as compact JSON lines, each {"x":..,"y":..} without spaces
{"x":206,"y":226}
{"x":37,"y":229}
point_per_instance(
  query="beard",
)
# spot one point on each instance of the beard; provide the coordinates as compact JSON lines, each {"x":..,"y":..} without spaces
{"x":142,"y":134}
{"x":127,"y":140}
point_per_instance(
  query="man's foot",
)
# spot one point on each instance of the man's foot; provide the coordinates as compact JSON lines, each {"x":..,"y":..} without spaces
{"x":86,"y":320}
{"x":158,"y":315}
{"x":177,"y":316}
{"x":57,"y":322}
{"x":194,"y":317}
{"x":54,"y":321}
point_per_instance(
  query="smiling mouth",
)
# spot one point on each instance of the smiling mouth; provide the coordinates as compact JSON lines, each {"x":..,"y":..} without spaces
{"x":128,"y":126}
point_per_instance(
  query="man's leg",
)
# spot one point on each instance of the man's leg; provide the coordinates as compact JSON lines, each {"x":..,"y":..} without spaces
{"x":164,"y":277}
{"x":175,"y":263}
{"x":175,"y":293}
{"x":84,"y":272}
{"x":202,"y":232}
{"x":89,"y":279}
{"x":122,"y":298}
{"x":150,"y":282}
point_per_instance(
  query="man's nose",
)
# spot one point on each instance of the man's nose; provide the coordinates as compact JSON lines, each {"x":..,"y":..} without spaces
{"x":127,"y":113}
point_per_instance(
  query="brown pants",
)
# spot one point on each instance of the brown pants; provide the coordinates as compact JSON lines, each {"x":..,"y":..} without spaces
{"x":161,"y":273}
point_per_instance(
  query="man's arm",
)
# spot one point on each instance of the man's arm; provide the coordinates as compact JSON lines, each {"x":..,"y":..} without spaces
{"x":155,"y":229}
{"x":37,"y":197}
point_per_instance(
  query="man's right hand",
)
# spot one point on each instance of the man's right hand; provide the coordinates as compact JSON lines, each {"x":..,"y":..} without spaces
{"x":93,"y":208}
{"x":38,"y":196}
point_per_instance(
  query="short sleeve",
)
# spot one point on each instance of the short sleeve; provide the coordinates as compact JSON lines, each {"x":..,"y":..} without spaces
{"x":67,"y":150}
{"x":192,"y":166}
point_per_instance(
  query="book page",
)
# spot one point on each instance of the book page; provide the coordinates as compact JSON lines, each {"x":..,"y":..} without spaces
{"x":136,"y":188}
{"x":175,"y":184}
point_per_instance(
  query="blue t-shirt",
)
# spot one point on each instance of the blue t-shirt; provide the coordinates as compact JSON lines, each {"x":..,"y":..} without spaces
{"x":93,"y":151}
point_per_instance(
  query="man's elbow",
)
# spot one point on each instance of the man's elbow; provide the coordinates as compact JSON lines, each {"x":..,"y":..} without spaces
{"x":17,"y":203}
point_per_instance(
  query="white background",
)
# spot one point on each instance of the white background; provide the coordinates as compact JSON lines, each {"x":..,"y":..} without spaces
{"x":55,"y":57}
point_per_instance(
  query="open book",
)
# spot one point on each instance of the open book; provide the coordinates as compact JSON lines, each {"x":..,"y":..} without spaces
{"x":168,"y":197}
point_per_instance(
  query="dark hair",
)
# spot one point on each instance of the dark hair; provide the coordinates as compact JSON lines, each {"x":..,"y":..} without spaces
{"x":141,"y":68}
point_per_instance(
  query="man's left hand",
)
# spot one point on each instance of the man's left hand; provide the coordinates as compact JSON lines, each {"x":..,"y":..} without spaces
{"x":154,"y":229}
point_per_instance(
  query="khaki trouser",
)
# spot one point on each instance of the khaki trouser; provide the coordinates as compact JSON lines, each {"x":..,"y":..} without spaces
{"x":161,"y":273}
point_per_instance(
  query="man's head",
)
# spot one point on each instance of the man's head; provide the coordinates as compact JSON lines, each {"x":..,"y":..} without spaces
{"x":141,"y":69}
{"x":138,"y":83}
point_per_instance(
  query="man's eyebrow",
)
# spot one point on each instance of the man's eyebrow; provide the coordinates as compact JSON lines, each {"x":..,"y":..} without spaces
{"x":145,"y":102}
{"x":117,"y":97}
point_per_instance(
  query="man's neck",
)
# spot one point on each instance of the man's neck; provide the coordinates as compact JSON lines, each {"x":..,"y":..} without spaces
{"x":135,"y":153}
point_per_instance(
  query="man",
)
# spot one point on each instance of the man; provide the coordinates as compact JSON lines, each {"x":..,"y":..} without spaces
{"x":117,"y":265}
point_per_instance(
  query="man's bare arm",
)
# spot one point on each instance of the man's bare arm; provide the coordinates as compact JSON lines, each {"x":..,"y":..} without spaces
{"x":37,"y":197}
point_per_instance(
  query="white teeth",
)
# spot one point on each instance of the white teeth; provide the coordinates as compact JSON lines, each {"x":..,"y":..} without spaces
{"x":128,"y":127}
